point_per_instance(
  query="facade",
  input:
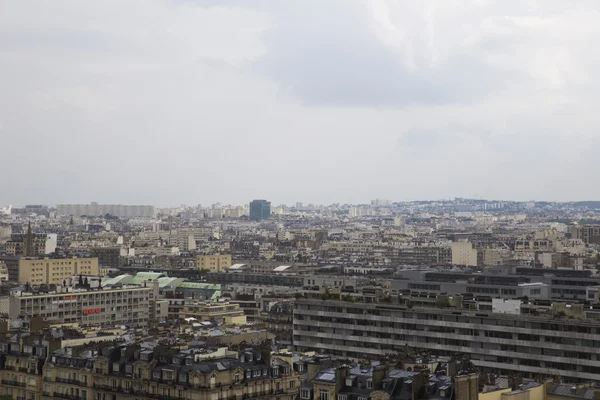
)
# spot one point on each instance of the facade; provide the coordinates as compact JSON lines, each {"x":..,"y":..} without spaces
{"x":21,"y":366}
{"x":109,"y":256}
{"x":126,"y":305}
{"x":499,"y":343}
{"x":134,"y":372}
{"x":463,"y":253}
{"x":50,"y":271}
{"x":97,"y":210}
{"x":3,"y":272}
{"x":587,"y":233}
{"x":260,"y":210}
{"x":213,"y":262}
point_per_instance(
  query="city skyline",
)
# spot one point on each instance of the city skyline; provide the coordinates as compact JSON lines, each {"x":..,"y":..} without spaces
{"x":321,"y":100}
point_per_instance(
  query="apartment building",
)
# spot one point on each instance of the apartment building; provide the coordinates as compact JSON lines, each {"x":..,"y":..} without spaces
{"x":120,"y":372}
{"x":21,"y":365}
{"x":96,"y":210}
{"x":213,"y":262}
{"x":123,"y":305}
{"x":420,"y":255}
{"x":499,"y":343}
{"x":51,"y":271}
{"x":587,"y":233}
{"x":464,"y":253}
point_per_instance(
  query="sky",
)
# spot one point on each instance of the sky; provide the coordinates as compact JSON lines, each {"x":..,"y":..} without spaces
{"x":170,"y":102}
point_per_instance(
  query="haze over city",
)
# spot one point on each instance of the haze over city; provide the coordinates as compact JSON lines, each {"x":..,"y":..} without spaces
{"x":166,"y":102}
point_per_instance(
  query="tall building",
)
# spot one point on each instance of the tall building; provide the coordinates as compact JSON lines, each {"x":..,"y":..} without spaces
{"x":97,"y":210}
{"x":260,"y":210}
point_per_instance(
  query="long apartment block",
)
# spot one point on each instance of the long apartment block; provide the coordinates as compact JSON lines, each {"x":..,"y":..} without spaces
{"x":125,"y":305}
{"x":499,"y":343}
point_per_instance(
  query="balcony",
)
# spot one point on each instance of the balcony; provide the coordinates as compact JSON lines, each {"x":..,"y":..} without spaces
{"x":71,"y":381}
{"x":23,"y":369}
{"x":67,"y":396}
{"x":13,"y":383}
{"x":111,"y":388}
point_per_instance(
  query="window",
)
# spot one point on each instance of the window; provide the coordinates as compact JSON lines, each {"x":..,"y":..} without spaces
{"x":369,"y":384}
{"x":324,"y":395}
{"x":342,"y":397}
{"x":305,"y":394}
{"x":292,"y":384}
{"x":236,"y":378}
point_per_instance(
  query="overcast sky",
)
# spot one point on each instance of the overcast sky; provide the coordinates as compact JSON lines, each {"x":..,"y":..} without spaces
{"x":170,"y":101}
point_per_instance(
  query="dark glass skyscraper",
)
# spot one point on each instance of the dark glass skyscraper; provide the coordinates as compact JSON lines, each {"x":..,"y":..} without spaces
{"x":259,"y":210}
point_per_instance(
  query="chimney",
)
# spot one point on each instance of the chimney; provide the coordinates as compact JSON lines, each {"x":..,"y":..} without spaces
{"x":379,"y":374}
{"x":341,"y":373}
{"x":313,"y":367}
{"x":452,"y":368}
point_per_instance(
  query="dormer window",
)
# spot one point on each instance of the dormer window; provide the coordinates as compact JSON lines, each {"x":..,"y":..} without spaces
{"x":236,"y":378}
{"x":305,"y":394}
{"x":342,"y":397}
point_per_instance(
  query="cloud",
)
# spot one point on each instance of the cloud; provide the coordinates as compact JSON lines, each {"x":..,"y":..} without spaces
{"x":199,"y":101}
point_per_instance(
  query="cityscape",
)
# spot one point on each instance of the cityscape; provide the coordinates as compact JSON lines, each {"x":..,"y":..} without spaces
{"x":454,"y":299}
{"x":299,"y":200}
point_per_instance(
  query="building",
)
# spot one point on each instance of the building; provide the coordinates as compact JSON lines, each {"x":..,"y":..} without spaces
{"x":110,"y":256}
{"x":464,"y":254}
{"x":260,"y":210}
{"x":50,"y":271}
{"x":499,"y":343}
{"x":31,"y":244}
{"x":587,"y":233}
{"x":21,"y":363}
{"x":3,"y":272}
{"x":501,"y":281}
{"x":222,"y":312}
{"x":97,"y":210}
{"x":213,"y":262}
{"x":148,"y":371}
{"x":121,"y":305}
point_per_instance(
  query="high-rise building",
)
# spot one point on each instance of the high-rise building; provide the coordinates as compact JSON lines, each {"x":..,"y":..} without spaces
{"x":96,"y":210}
{"x":259,"y":210}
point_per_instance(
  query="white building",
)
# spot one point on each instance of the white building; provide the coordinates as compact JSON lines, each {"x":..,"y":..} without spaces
{"x":505,"y":306}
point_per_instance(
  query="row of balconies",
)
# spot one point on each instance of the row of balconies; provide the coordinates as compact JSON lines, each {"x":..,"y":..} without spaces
{"x":13,"y":383}
{"x":71,"y":381}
